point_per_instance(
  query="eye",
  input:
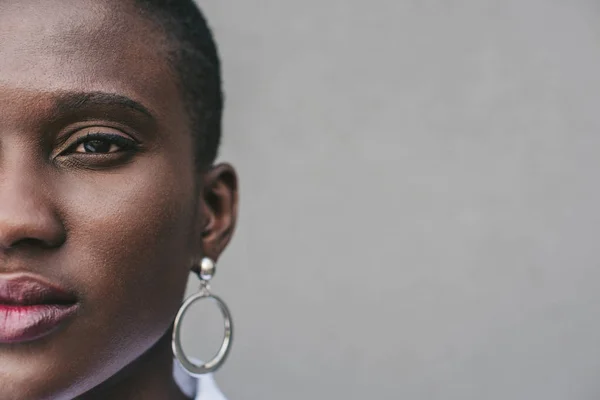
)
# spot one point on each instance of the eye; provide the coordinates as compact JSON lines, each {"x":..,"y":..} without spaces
{"x":101,"y":143}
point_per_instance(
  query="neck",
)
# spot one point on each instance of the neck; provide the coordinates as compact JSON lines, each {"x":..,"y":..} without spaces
{"x":150,"y":377}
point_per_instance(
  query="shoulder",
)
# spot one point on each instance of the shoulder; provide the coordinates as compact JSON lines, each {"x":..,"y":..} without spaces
{"x":203,"y":388}
{"x":207,"y":389}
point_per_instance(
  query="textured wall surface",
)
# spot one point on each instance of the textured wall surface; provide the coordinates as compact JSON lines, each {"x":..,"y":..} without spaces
{"x":420,"y":193}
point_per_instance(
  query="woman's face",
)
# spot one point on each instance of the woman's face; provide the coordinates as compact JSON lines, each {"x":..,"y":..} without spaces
{"x":97,"y":190}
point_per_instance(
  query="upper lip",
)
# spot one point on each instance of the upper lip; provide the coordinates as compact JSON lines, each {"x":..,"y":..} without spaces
{"x":29,"y":291}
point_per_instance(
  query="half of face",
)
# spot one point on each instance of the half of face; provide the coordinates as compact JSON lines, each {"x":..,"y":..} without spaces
{"x":101,"y":209}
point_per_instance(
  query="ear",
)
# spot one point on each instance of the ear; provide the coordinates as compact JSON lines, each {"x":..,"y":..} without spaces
{"x":219,"y":205}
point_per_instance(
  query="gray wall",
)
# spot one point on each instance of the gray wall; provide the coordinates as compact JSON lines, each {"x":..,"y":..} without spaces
{"x":419,"y":215}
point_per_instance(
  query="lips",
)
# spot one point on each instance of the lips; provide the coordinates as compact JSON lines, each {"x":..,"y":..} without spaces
{"x":31,"y":308}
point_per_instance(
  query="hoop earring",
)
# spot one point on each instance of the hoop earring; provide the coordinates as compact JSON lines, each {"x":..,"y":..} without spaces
{"x":207,"y":270}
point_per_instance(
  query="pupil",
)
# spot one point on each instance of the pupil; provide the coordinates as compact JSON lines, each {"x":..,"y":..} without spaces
{"x":96,"y":146}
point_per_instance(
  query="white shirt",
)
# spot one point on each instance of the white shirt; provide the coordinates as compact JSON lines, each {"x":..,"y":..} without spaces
{"x":204,"y":388}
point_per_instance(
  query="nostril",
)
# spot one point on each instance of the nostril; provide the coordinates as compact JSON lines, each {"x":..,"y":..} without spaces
{"x":25,"y":242}
{"x":34,"y":243}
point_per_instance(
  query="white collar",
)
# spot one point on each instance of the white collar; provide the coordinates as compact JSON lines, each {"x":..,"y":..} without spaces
{"x":204,"y":388}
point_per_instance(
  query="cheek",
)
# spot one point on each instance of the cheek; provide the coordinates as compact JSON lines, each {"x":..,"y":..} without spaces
{"x":128,"y":251}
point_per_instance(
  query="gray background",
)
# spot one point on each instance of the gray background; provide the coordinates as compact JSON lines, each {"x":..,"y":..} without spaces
{"x":419,"y":214}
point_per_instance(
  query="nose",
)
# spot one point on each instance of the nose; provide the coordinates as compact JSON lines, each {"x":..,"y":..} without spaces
{"x":27,"y":216}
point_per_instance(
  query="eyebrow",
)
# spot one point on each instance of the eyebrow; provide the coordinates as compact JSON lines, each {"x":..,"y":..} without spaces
{"x":73,"y":101}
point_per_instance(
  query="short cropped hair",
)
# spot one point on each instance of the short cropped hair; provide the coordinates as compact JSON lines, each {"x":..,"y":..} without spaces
{"x":195,"y":59}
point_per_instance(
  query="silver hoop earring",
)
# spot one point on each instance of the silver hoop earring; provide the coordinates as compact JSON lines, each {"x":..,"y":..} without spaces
{"x":207,"y":270}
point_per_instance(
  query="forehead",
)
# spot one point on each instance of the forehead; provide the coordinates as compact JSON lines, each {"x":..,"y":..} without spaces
{"x":49,"y":46}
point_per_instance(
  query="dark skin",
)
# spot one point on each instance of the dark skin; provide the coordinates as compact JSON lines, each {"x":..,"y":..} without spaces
{"x":116,"y":217}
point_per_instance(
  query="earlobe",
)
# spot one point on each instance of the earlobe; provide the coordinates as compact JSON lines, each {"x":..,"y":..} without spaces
{"x":219,"y":207}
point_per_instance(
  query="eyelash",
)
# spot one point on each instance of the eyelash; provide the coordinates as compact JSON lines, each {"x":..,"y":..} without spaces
{"x":123,"y":143}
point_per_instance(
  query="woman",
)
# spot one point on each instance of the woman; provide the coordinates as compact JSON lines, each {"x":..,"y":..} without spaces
{"x":109,"y":126}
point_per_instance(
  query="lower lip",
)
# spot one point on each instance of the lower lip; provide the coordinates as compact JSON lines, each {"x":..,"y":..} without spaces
{"x":27,"y":323}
